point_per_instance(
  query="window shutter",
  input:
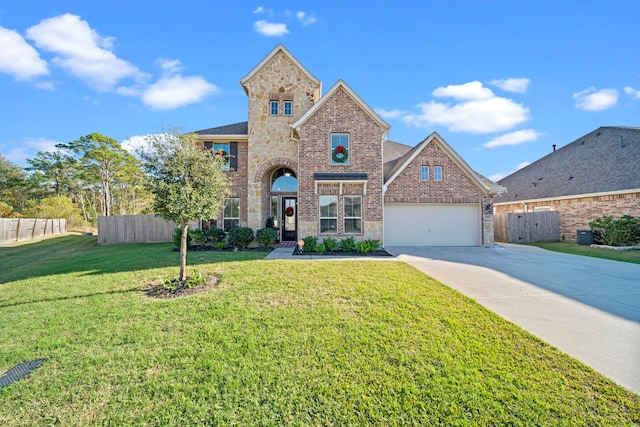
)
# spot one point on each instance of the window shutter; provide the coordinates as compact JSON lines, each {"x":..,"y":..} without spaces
{"x":233,"y":156}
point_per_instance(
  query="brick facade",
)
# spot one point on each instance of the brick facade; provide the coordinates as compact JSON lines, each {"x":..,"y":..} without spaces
{"x":456,"y":186}
{"x":575,"y":213}
{"x":341,"y":114}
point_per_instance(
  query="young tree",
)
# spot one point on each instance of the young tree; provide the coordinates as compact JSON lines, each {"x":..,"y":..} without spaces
{"x":187,"y":182}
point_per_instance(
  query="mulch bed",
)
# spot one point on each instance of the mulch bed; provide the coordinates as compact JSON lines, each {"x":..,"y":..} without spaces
{"x":355,"y":254}
{"x":180,"y":289}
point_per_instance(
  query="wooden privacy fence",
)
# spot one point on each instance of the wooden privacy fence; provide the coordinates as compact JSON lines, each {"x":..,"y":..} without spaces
{"x":527,"y":227}
{"x":136,"y":229}
{"x":22,"y":229}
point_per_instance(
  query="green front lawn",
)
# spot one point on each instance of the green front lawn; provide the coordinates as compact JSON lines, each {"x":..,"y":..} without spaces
{"x":632,"y":255}
{"x":274,"y":343}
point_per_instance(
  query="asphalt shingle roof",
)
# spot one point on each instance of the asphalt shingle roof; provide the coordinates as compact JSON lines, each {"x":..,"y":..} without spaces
{"x":241,"y":128}
{"x":607,"y":159}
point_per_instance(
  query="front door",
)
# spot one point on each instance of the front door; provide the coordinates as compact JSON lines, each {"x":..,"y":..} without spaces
{"x":289,"y":219}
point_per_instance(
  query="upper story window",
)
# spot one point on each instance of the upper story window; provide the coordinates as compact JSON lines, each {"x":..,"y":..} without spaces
{"x":281,"y":103}
{"x":274,"y":108}
{"x":288,"y":108}
{"x":219,"y":149}
{"x":340,"y":149}
{"x":437,"y":173}
{"x":424,"y":173}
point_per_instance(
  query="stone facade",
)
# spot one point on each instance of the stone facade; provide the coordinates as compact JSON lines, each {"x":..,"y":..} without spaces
{"x":576,"y":212}
{"x":280,"y":78}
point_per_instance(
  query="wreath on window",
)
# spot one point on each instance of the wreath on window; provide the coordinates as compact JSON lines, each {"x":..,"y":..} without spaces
{"x":340,"y":154}
{"x":288,"y":211}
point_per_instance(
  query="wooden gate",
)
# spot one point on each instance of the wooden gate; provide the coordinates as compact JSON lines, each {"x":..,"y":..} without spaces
{"x":527,"y":227}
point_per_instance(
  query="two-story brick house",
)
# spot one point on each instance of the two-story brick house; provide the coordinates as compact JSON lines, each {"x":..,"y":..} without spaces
{"x":320,"y":165}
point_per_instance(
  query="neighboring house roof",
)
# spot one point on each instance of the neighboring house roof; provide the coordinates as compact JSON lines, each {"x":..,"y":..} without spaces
{"x":235,"y":129}
{"x":279,"y":48}
{"x":605,"y":160}
{"x":340,"y":84}
{"x":483,"y":182}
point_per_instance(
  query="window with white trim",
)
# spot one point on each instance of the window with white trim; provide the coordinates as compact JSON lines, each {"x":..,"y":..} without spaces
{"x":424,"y":173}
{"x":340,"y":149}
{"x":328,"y":214}
{"x":288,"y":108}
{"x":352,"y":214}
{"x":231,"y":214}
{"x":274,"y":107}
{"x":437,"y":173}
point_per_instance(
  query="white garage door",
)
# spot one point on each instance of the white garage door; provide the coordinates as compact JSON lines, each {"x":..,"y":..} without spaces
{"x":432,"y":225}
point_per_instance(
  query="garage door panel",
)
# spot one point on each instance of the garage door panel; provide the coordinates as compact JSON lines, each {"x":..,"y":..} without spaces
{"x":432,"y":225}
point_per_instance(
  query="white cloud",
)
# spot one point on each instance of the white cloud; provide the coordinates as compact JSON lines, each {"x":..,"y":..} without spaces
{"x":479,"y":110}
{"x":170,"y":66}
{"x":270,"y":29}
{"x":27,"y":149}
{"x":499,"y":175}
{"x":596,"y":100}
{"x":515,"y":85}
{"x":82,"y":51}
{"x":633,"y":93}
{"x":465,"y":92}
{"x":45,"y":85}
{"x":177,"y":91}
{"x":390,"y":114}
{"x":514,"y":138}
{"x":134,"y":143}
{"x":305,"y":19}
{"x":259,"y":9}
{"x":18,"y":58}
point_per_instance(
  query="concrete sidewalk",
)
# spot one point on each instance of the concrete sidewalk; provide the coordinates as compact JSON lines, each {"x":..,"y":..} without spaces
{"x":588,"y":308}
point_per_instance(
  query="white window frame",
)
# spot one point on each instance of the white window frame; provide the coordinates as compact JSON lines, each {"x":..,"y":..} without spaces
{"x":287,"y":108}
{"x":424,"y":173}
{"x":437,"y":173}
{"x":339,"y":139}
{"x":321,"y":205}
{"x":345,"y":205}
{"x":228,"y":209}
{"x":273,"y":104}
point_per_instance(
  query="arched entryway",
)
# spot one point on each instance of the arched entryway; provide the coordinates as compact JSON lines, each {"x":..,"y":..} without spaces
{"x":284,"y":202}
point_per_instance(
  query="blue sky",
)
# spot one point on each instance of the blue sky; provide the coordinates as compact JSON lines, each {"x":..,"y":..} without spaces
{"x":501,"y":81}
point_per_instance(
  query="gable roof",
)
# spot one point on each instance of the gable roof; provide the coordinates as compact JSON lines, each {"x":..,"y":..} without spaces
{"x":274,"y":52}
{"x":605,"y":160}
{"x":235,"y":129}
{"x":484,"y":183}
{"x":340,"y":84}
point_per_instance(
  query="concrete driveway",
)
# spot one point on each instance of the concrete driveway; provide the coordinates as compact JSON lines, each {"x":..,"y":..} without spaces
{"x":587,"y":307}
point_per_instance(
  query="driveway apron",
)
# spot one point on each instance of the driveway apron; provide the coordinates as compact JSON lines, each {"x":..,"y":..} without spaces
{"x":588,"y":308}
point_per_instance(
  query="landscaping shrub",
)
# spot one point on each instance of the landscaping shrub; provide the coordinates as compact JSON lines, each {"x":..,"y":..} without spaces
{"x":214,"y":235}
{"x":266,"y":237}
{"x":320,"y":247}
{"x":331,"y":244}
{"x":310,"y":243}
{"x":367,"y":246}
{"x":240,"y":237}
{"x":624,"y":231}
{"x":348,"y":244}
